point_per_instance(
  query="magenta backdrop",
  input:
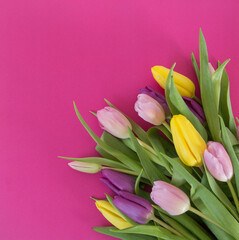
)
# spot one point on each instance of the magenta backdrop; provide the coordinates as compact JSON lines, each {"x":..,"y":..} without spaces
{"x":55,"y":51}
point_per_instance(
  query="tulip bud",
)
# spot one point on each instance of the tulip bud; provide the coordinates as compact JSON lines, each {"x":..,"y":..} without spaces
{"x":157,"y":96}
{"x":117,"y":181}
{"x":135,"y":207}
{"x":112,"y":215}
{"x":195,"y":108}
{"x":184,"y":85}
{"x":188,"y":142}
{"x":114,"y":122}
{"x":85,"y":167}
{"x":149,"y":109}
{"x":218,"y":161}
{"x":170,"y":198}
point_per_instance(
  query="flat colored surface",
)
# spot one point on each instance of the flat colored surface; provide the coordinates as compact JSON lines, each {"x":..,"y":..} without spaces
{"x":55,"y":51}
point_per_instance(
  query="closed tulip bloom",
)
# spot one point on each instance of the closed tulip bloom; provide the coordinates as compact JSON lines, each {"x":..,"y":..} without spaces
{"x":184,"y":85}
{"x":85,"y":167}
{"x":117,"y":181}
{"x":218,"y":161}
{"x":135,"y":207}
{"x":195,"y":108}
{"x":158,"y":97}
{"x":188,"y":142}
{"x":170,"y":198}
{"x":114,"y":122}
{"x":149,"y":109}
{"x":112,"y":215}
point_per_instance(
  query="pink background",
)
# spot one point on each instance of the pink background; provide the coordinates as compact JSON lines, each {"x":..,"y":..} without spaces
{"x":55,"y":51}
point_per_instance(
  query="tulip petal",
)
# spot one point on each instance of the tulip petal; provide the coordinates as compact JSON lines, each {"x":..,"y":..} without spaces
{"x":133,"y":210}
{"x":192,"y":144}
{"x":139,"y":200}
{"x":111,"y":215}
{"x":120,"y":180}
{"x":170,"y":198}
{"x":184,"y":85}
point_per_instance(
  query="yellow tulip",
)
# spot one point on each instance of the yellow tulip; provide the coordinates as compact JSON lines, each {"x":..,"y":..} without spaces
{"x":188,"y":142}
{"x":184,"y":85}
{"x":112,"y":215}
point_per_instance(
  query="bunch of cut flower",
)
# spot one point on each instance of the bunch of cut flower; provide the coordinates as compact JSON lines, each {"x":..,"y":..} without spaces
{"x":193,"y":170}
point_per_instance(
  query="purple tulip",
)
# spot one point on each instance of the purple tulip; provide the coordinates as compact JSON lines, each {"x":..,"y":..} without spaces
{"x":170,"y":198}
{"x":195,"y":108}
{"x":135,"y":207}
{"x":158,"y":97}
{"x":149,"y":109}
{"x":114,"y":122}
{"x":218,"y":161}
{"x":117,"y":181}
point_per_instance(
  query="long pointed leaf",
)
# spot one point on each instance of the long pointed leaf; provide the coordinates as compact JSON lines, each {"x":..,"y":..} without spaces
{"x":232,"y":154}
{"x":207,"y":93}
{"x":225,"y":103}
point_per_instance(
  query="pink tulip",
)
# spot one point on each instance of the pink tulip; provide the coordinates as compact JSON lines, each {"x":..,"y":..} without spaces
{"x":114,"y":122}
{"x":170,"y":198}
{"x":149,"y":109}
{"x":218,"y":162}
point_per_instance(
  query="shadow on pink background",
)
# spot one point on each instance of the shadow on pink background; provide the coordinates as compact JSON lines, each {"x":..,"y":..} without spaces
{"x":53,"y":52}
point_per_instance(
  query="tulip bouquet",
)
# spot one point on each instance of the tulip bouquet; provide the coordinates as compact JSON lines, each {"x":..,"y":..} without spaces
{"x":179,"y":179}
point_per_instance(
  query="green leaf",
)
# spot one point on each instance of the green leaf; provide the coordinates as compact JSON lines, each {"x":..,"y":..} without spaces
{"x":219,"y":193}
{"x":233,"y":139}
{"x":169,"y":147}
{"x":207,"y":92}
{"x":104,"y":154}
{"x":216,"y":82}
{"x":119,"y":145}
{"x":154,"y":139}
{"x":176,"y":225}
{"x":114,"y":152}
{"x":227,"y":144}
{"x":225,"y":104}
{"x":208,"y":204}
{"x":195,"y":66}
{"x":142,"y":135}
{"x":166,"y":132}
{"x":151,"y":171}
{"x":178,"y":106}
{"x":137,"y":189}
{"x":155,"y":231}
{"x":98,"y":160}
{"x":124,"y":236}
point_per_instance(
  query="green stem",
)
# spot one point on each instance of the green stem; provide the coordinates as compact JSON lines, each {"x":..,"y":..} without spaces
{"x":200,"y":214}
{"x":234,"y":196}
{"x":122,"y":170}
{"x":146,"y":146}
{"x":163,"y":224}
{"x":167,"y":126}
{"x":197,"y":100}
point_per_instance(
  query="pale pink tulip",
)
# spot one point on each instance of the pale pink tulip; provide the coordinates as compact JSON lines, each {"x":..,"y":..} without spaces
{"x":170,"y":198}
{"x":218,"y":161}
{"x":114,"y":122}
{"x":149,"y":109}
